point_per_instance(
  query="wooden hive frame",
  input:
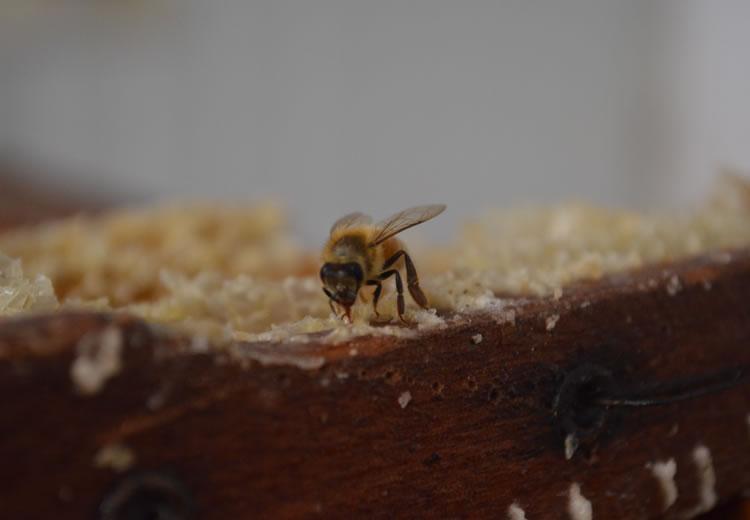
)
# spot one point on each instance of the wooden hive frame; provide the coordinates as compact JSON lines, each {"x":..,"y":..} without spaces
{"x":446,"y":424}
{"x":468,"y":421}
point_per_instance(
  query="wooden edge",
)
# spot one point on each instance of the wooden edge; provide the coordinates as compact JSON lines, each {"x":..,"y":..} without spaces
{"x":439,"y":424}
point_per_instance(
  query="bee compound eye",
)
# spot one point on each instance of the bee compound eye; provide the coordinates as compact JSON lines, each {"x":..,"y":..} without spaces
{"x":354,"y":270}
{"x":150,"y":495}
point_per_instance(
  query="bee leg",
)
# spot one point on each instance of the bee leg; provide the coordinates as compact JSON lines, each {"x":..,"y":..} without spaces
{"x":412,"y":279}
{"x":333,"y":309}
{"x":376,"y":295}
{"x":399,"y":290}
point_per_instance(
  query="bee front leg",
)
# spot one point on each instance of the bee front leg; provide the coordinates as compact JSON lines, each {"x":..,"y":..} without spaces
{"x":333,"y":309}
{"x":399,"y":290}
{"x":376,"y":295}
{"x":331,"y":303}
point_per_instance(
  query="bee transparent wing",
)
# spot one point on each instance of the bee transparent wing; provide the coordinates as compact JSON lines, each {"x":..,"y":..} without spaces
{"x":402,"y":220}
{"x":351,"y":220}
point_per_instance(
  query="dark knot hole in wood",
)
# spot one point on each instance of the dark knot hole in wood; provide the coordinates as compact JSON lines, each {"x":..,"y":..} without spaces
{"x":147,"y":495}
{"x":577,"y":406}
{"x":587,"y":393}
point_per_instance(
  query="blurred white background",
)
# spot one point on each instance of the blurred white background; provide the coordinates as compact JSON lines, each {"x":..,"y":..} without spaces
{"x":334,"y":105}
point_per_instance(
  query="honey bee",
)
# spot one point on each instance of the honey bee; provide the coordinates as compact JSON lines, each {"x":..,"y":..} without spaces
{"x":359,"y":252}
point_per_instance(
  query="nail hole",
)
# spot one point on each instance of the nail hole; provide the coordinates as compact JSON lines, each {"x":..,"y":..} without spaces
{"x":433,"y":459}
{"x":392,"y":376}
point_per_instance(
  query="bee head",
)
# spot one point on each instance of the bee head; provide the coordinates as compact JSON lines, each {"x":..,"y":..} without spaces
{"x":341,"y":282}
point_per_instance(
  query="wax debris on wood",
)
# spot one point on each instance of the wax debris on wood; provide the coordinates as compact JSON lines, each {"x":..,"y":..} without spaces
{"x":706,"y":476}
{"x":551,"y":321}
{"x":673,"y":285}
{"x":117,"y":457}
{"x":21,"y":293}
{"x":664,"y":472}
{"x":570,"y":445}
{"x":98,"y":358}
{"x":515,"y":512}
{"x":604,"y":498}
{"x":579,"y":507}
{"x":246,"y":278}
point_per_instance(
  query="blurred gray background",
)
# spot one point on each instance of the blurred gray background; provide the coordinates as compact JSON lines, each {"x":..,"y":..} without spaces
{"x":335,"y":105}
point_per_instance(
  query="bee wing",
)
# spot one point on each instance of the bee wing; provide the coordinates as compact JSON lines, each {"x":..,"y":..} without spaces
{"x":402,"y":220}
{"x":351,"y":220}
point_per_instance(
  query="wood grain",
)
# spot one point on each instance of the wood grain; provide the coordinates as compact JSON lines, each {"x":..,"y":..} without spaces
{"x":251,"y":439}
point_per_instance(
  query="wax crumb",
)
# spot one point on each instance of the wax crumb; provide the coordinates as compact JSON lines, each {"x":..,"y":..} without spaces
{"x":664,"y":472}
{"x":706,"y":480}
{"x":515,"y":512}
{"x":20,"y":293}
{"x":552,"y":321}
{"x":200,"y":344}
{"x":98,"y":359}
{"x":476,"y":339}
{"x":115,"y":456}
{"x":579,"y":507}
{"x":427,"y":319}
{"x":506,"y":316}
{"x":707,"y":477}
{"x":404,"y":399}
{"x":245,"y":352}
{"x":673,"y":285}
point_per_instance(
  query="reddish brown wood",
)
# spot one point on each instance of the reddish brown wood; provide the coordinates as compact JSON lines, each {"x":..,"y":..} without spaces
{"x":734,"y":510}
{"x":275,"y":441}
